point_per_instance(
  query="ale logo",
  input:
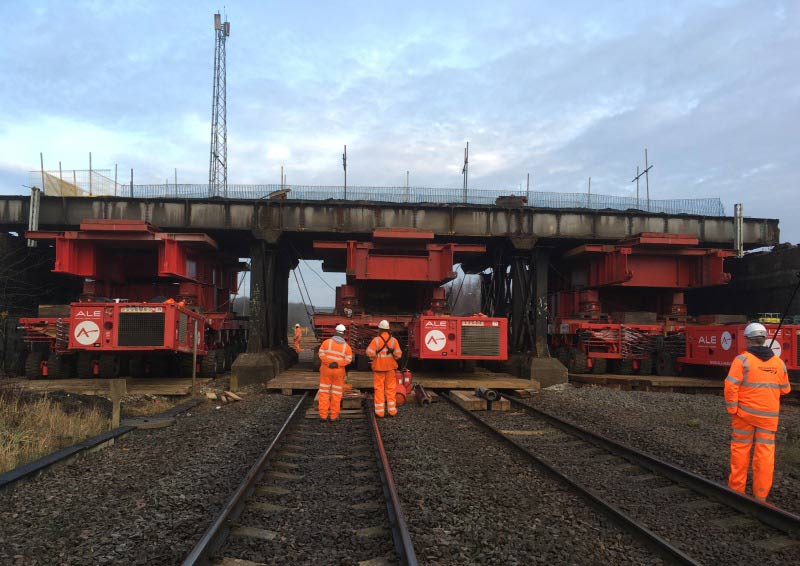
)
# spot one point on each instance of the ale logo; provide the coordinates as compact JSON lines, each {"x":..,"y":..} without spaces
{"x":435,"y":340}
{"x":726,"y":341}
{"x":87,"y":332}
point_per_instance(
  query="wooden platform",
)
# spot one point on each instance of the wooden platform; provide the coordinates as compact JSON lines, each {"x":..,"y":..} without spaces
{"x":172,"y":386}
{"x":649,"y":382}
{"x":472,"y":402}
{"x":300,"y":379}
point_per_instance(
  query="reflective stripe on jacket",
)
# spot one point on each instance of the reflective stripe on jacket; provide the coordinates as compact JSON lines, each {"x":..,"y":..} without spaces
{"x":753,"y":389}
{"x":378,"y":352}
{"x":336,"y":349}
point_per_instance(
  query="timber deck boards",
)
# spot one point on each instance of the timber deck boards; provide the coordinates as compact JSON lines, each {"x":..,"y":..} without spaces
{"x":306,"y":379}
{"x":170,"y":386}
{"x":644,"y":382}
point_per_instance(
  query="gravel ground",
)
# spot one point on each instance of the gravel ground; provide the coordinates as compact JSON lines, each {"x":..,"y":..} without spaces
{"x":665,"y":508}
{"x":145,"y":500}
{"x":692,"y":431}
{"x":330,"y":507}
{"x":470,"y":500}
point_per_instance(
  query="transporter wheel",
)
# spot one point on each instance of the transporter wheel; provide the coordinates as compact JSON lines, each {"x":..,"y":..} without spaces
{"x":599,"y":365}
{"x":646,"y":366}
{"x":230,"y":355}
{"x":220,"y":360}
{"x":208,"y":364}
{"x":562,"y":354}
{"x":33,"y":365}
{"x":58,"y":366}
{"x":578,"y":362}
{"x":362,"y":362}
{"x":85,"y":365}
{"x":666,"y":364}
{"x":185,"y":365}
{"x":137,"y":367}
{"x":159,"y":366}
{"x":108,"y":366}
{"x":625,"y":367}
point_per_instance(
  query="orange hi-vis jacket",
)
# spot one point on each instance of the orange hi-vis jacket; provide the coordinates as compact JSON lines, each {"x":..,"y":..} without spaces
{"x":335,"y":349}
{"x":378,"y":351}
{"x":754,"y":387}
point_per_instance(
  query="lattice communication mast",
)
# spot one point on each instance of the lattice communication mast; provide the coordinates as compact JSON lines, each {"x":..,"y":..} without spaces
{"x":218,"y":166}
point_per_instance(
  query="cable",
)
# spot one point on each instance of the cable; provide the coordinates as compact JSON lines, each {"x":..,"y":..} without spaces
{"x":786,"y":311}
{"x":308,"y":266}
{"x":320,"y":276}
{"x":303,"y":279}
{"x":238,"y":288}
{"x":305,"y":306}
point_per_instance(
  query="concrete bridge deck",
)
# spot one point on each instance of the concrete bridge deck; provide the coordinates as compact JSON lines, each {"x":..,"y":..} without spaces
{"x":267,"y":220}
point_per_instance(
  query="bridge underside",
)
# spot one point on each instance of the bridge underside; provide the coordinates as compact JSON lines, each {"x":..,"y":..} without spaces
{"x":276,"y":234}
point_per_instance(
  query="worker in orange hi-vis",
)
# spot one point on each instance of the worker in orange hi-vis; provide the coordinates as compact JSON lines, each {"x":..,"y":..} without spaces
{"x":756,"y":380}
{"x":335,"y":354}
{"x":298,"y":334}
{"x":383,"y":352}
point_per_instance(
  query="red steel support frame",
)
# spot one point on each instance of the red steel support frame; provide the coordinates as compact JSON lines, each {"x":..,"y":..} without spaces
{"x":410,"y":267}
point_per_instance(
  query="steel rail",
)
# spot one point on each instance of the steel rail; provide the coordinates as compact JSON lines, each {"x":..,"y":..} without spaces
{"x":214,"y":537}
{"x":400,"y":534}
{"x":772,"y":516}
{"x":653,"y":541}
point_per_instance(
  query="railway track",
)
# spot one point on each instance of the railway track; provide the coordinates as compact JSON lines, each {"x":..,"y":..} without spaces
{"x":681,"y":516}
{"x":321,"y":493}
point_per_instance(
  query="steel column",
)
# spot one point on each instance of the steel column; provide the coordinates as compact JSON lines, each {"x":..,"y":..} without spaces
{"x":257,"y":337}
{"x":521,"y":291}
{"x":541,"y":268}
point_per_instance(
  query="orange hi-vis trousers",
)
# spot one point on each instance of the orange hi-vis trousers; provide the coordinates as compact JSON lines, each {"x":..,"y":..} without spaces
{"x":385,"y":384}
{"x":331,"y":386}
{"x":743,"y":436}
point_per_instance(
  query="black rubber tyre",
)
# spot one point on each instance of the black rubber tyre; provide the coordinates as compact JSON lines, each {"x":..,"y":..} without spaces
{"x":208,"y":364}
{"x":220,"y":360}
{"x":185,"y":365}
{"x":230,"y":355}
{"x":625,"y":367}
{"x":646,"y":366}
{"x":599,"y":365}
{"x":362,"y":362}
{"x":159,"y":366}
{"x":59,"y":366}
{"x":108,"y":366}
{"x":33,"y":365}
{"x":85,"y":365}
{"x":578,"y":362}
{"x":666,"y":364}
{"x":137,"y":367}
{"x":562,"y":354}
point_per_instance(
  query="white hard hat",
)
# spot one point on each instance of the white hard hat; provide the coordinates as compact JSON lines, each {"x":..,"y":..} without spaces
{"x":340,"y":328}
{"x":755,"y":329}
{"x":383,"y":325}
{"x":296,"y":325}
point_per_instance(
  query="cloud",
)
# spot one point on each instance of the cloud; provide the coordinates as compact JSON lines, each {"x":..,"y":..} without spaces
{"x":561,"y":91}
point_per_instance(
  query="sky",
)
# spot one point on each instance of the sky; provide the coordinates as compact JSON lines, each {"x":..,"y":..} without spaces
{"x":561,"y":90}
